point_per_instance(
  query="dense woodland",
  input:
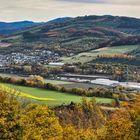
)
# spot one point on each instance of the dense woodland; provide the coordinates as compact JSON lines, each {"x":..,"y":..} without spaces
{"x":74,"y":122}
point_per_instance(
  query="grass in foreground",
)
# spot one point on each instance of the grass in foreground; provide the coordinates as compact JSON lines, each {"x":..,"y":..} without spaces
{"x":22,"y":94}
{"x":59,"y":98}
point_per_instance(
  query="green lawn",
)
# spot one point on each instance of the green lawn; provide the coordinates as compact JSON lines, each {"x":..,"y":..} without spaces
{"x":89,"y":56}
{"x":61,"y":98}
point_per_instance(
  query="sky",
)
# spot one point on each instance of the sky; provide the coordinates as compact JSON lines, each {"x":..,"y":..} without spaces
{"x":45,"y":10}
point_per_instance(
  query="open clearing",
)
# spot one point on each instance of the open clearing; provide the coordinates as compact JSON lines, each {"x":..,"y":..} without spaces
{"x":58,"y":82}
{"x":80,"y":85}
{"x":89,"y":56}
{"x":59,"y":97}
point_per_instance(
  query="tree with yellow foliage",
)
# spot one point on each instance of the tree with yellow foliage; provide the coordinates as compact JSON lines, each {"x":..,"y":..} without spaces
{"x":41,"y":123}
{"x":11,"y":126}
{"x":31,"y":122}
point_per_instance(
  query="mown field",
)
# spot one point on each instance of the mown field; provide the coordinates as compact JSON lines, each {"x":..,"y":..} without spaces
{"x":58,"y":82}
{"x":36,"y":95}
{"x":89,"y":56}
{"x":69,"y":85}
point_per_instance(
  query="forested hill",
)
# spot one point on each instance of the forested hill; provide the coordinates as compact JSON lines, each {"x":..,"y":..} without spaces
{"x":80,"y":34}
{"x":11,"y":27}
{"x":7,"y":28}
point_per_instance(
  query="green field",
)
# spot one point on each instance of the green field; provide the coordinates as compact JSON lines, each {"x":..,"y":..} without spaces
{"x":89,"y":56}
{"x":58,"y":82}
{"x":60,"y":98}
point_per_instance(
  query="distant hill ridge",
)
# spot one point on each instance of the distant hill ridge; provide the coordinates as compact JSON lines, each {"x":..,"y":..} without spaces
{"x":11,"y":27}
{"x":74,"y":35}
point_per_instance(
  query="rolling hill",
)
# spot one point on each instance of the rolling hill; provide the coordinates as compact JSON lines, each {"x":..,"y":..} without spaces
{"x":7,"y":28}
{"x":11,"y":27}
{"x":80,"y":34}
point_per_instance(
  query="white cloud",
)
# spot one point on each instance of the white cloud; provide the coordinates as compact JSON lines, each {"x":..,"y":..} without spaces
{"x":43,"y":10}
{"x":84,"y":1}
{"x":125,"y":2}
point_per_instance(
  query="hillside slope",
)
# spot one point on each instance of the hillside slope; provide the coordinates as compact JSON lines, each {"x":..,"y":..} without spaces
{"x":7,"y":28}
{"x":11,"y":27}
{"x":79,"y":34}
{"x":136,"y":52}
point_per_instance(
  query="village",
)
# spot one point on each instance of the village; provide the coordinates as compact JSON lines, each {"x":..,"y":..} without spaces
{"x":37,"y":56}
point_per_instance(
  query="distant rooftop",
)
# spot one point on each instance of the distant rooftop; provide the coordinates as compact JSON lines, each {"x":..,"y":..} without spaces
{"x":56,"y":64}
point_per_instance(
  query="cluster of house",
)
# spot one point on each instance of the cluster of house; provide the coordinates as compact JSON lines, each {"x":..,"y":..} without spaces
{"x":29,"y":57}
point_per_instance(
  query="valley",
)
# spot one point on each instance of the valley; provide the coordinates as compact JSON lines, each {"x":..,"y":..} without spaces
{"x":69,"y":69}
{"x":70,"y":78}
{"x":104,"y":46}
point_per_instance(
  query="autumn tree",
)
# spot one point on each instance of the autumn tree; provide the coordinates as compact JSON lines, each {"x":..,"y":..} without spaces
{"x":41,"y":123}
{"x":30,"y":122}
{"x":11,"y":126}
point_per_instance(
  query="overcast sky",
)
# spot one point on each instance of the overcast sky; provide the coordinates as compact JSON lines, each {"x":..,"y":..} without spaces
{"x":44,"y":10}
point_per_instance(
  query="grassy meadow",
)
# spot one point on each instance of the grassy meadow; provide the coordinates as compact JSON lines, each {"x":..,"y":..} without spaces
{"x":89,"y":56}
{"x":58,"y":82}
{"x":51,"y":98}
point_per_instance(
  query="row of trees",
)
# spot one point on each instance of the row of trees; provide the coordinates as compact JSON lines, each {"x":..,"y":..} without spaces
{"x":111,"y":68}
{"x":122,"y":59}
{"x":116,"y":56}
